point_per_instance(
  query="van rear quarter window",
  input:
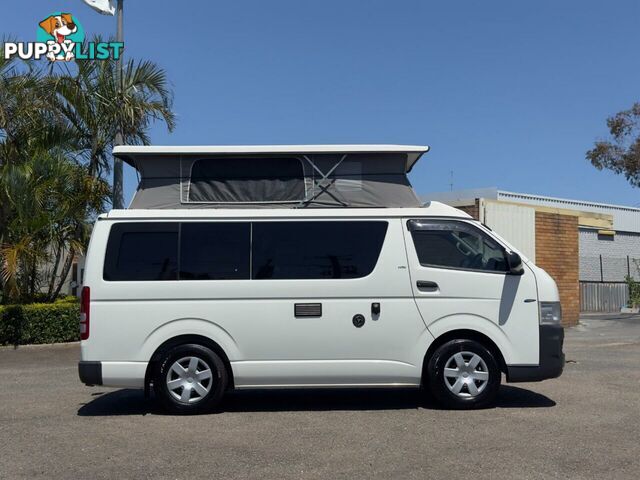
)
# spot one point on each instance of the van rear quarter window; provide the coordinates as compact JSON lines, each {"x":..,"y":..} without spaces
{"x":142,"y":251}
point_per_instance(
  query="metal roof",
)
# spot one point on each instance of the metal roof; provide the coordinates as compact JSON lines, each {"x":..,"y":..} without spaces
{"x":625,"y":218}
{"x":542,"y":199}
{"x":126,"y":152}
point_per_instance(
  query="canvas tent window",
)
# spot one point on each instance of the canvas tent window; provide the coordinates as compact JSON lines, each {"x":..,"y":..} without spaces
{"x":246,"y":180}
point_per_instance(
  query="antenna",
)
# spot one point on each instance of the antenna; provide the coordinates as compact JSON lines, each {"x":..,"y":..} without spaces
{"x":451,"y":181}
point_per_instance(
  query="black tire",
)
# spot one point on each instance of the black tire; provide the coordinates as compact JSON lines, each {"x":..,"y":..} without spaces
{"x":464,"y":399}
{"x":197,"y":403}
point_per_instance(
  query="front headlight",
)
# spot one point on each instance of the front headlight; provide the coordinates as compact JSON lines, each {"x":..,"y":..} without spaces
{"x":550,"y":313}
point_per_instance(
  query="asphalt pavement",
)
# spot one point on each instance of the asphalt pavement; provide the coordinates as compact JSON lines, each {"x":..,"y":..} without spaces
{"x":585,"y":424}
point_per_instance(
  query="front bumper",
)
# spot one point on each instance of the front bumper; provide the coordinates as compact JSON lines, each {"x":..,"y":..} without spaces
{"x":551,"y":358}
{"x":90,"y":373}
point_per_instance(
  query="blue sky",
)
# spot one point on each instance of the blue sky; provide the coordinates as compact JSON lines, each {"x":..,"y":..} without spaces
{"x":507,"y":93}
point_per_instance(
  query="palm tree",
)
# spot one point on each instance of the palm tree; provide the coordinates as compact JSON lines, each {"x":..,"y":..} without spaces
{"x":57,"y":130}
{"x":22,"y":126}
{"x":50,"y":198}
{"x":97,"y":108}
{"x":28,"y":124}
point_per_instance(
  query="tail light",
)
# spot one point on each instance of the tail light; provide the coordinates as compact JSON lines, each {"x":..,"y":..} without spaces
{"x":85,"y":300}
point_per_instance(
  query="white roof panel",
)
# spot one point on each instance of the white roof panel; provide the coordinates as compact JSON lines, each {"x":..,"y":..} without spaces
{"x":432,"y":209}
{"x":414,"y":152}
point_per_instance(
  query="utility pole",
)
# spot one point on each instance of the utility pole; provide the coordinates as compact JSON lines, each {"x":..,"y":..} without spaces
{"x":117,"y":200}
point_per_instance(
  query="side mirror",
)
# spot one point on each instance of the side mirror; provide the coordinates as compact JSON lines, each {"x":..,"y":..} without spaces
{"x":514,"y":262}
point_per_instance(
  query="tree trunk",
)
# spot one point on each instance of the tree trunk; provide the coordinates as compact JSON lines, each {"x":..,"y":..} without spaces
{"x":4,"y":216}
{"x":65,"y":271}
{"x":33,"y":273}
{"x":93,"y":157}
{"x":52,"y":280}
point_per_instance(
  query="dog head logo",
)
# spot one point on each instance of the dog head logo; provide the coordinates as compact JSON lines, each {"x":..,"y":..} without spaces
{"x":59,"y":26}
{"x":63,"y":29}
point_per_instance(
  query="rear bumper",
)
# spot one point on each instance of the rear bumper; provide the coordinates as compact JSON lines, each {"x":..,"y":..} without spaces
{"x":551,"y":358}
{"x":90,"y":373}
{"x":113,"y":374}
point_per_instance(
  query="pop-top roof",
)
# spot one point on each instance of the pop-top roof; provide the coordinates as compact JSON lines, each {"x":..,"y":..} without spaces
{"x":129,"y":152}
{"x":273,"y":176}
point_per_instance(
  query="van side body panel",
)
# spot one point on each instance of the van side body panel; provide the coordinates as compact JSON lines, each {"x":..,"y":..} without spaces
{"x":253,"y":321}
{"x":255,"y":324}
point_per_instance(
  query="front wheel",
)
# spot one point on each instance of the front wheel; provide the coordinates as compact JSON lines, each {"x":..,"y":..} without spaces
{"x":190,"y":379}
{"x":463,"y":374}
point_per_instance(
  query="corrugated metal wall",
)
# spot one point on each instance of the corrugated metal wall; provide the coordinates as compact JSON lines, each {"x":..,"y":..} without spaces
{"x":625,"y":219}
{"x":603,"y":297}
{"x":517,"y":224}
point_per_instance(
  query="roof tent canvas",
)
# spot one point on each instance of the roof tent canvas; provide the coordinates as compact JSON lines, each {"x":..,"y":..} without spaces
{"x":273,"y":176}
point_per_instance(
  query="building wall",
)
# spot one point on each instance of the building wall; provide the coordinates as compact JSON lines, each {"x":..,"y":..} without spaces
{"x":515,"y":223}
{"x":625,"y":219}
{"x":557,"y":252}
{"x":614,"y":250}
{"x":67,"y":285}
{"x":473,"y":210}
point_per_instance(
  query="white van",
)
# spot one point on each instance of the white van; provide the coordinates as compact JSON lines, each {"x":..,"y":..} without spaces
{"x":195,"y":302}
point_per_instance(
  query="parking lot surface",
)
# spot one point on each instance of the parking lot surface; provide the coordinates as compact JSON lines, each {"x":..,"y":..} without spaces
{"x":586,"y":424}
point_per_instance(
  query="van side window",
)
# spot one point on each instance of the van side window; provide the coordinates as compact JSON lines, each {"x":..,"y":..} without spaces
{"x":316,"y":249}
{"x":142,"y":251}
{"x":223,"y":250}
{"x":453,"y":244}
{"x":215,"y":251}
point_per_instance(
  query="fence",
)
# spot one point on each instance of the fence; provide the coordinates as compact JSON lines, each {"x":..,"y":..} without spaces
{"x":609,"y":269}
{"x":603,"y":297}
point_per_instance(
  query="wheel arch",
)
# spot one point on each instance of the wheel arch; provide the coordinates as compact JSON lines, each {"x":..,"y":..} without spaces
{"x":464,"y":334}
{"x":186,"y":339}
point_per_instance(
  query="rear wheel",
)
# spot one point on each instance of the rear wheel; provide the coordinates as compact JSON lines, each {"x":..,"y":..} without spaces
{"x":190,"y":379}
{"x":463,"y":374}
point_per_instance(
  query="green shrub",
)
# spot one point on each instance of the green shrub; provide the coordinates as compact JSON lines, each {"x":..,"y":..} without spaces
{"x":634,"y":291}
{"x":67,"y":299}
{"x":39,"y":323}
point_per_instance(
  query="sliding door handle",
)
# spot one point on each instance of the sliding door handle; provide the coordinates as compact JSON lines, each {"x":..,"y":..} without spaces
{"x":426,"y":285}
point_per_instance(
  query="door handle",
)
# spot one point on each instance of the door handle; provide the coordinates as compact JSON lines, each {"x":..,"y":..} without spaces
{"x":426,"y":285}
{"x":307,"y":310}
